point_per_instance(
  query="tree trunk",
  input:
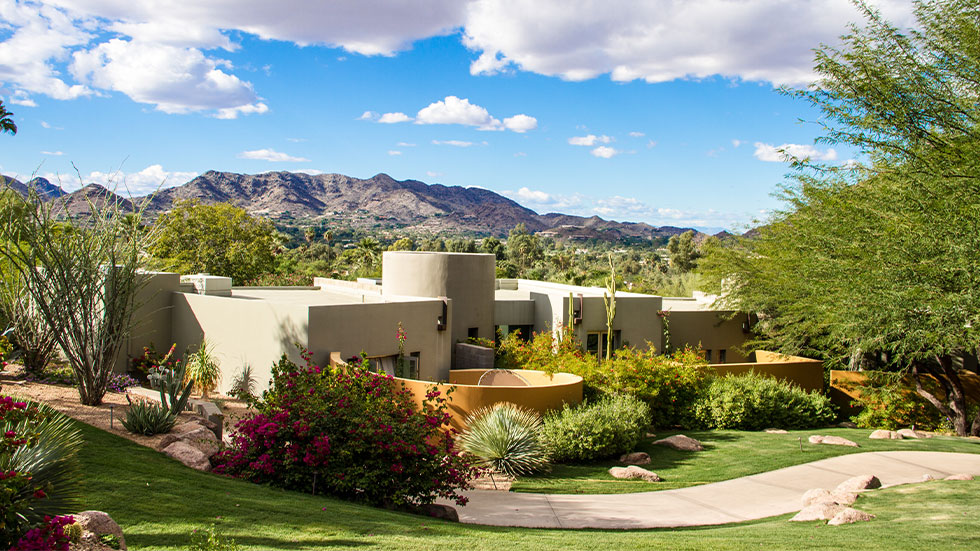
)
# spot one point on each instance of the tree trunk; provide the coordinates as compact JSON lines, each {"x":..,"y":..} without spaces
{"x":954,"y":406}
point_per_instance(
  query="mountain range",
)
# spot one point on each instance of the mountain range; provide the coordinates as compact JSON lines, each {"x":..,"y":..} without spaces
{"x":380,"y":201}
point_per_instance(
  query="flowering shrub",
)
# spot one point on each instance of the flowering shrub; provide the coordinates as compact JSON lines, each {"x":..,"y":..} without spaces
{"x":350,"y":433}
{"x":53,"y":375}
{"x":49,"y":536}
{"x":119,"y":382}
{"x":151,"y":358}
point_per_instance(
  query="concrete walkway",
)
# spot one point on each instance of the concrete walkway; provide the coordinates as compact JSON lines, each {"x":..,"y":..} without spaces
{"x":748,"y":498}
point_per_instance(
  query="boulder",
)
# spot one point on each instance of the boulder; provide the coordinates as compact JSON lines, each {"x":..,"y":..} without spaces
{"x":819,"y":495}
{"x":201,"y":438}
{"x":776,"y":431}
{"x":909,"y":433}
{"x":189,"y":426}
{"x":928,"y":478}
{"x":885,"y":435}
{"x":99,"y":523}
{"x":858,"y":483}
{"x":635,"y":458}
{"x":848,"y":516}
{"x":188,"y":455}
{"x":682,"y":443}
{"x":435,"y":510}
{"x":832,"y":440}
{"x":961,"y":476}
{"x":818,"y":511}
{"x":651,"y":435}
{"x":634,"y":473}
{"x":847,"y":425}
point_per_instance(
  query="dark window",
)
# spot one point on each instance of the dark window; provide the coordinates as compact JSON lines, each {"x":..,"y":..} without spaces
{"x":473,"y":332}
{"x":721,"y":356}
{"x":707,"y":355}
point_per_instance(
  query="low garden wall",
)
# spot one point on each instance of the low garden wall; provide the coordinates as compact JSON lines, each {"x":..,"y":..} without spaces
{"x":844,"y":387}
{"x":803,"y":372}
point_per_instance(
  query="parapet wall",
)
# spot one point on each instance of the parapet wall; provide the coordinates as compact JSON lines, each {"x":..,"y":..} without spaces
{"x":803,"y":372}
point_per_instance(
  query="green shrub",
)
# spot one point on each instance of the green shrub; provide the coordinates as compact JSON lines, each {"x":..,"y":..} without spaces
{"x":608,"y":427}
{"x":755,"y":402}
{"x":889,"y":401}
{"x":506,"y":438}
{"x":211,"y":540}
{"x":148,"y":418}
{"x":203,"y":369}
{"x":243,"y":385}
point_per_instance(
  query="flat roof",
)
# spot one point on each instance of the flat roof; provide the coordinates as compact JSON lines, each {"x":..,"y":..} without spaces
{"x":316,"y":297}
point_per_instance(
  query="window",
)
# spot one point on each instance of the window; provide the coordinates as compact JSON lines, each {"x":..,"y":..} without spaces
{"x":707,"y":355}
{"x":721,"y":356}
{"x":473,"y":332}
{"x":389,"y":365}
{"x":596,"y":342}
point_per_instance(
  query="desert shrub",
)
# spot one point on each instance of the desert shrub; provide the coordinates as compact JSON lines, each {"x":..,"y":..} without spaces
{"x":148,"y":418}
{"x":347,"y":432}
{"x":211,"y":540}
{"x":609,"y":426}
{"x":203,"y":368}
{"x":5,"y":348}
{"x":889,"y":401}
{"x":119,"y":382}
{"x":243,"y":384}
{"x":53,"y":375}
{"x":754,"y":402}
{"x":39,"y":471}
{"x":506,"y":438}
{"x":543,"y":352}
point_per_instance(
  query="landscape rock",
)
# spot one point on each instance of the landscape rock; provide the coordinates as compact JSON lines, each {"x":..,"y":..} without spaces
{"x":99,"y":523}
{"x":189,"y":426}
{"x":832,"y":440}
{"x":634,"y":473}
{"x":201,"y":438}
{"x":651,"y":435}
{"x":635,"y":458}
{"x":435,"y":510}
{"x":847,"y":425}
{"x":849,"y":516}
{"x":188,"y":455}
{"x":818,"y":511}
{"x":682,"y":443}
{"x":776,"y":431}
{"x":961,"y":476}
{"x":858,"y":483}
{"x":928,"y":477}
{"x":885,"y":435}
{"x":819,"y":495}
{"x":909,"y":433}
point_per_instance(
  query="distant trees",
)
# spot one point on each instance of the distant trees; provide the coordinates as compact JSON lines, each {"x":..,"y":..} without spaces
{"x":881,"y":259}
{"x":220,"y":239}
{"x":523,"y":249}
{"x":683,"y":251}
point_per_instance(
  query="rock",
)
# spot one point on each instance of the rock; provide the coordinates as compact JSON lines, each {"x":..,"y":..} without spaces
{"x":776,"y":431}
{"x":635,"y":458}
{"x":204,"y":440}
{"x":634,"y":473}
{"x":832,"y":440}
{"x":858,"y":483}
{"x":961,"y":476}
{"x":99,"y":523}
{"x":187,"y":427}
{"x":909,"y":433}
{"x":847,"y":425}
{"x":928,"y":478}
{"x":818,"y":511}
{"x":849,"y":516}
{"x":819,"y":495}
{"x":682,"y":443}
{"x":885,"y":435}
{"x":444,"y":512}
{"x":188,"y":455}
{"x":651,"y":435}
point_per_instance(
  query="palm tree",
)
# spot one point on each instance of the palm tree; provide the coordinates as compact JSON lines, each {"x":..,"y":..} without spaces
{"x":7,"y":120}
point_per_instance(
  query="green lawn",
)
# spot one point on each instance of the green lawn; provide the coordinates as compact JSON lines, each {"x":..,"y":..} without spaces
{"x":158,"y":502}
{"x":726,"y":455}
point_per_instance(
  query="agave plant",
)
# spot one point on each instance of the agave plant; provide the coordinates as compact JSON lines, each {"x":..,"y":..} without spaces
{"x":148,"y":418}
{"x":506,"y":438}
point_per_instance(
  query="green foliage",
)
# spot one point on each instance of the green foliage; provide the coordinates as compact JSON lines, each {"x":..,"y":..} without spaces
{"x":523,"y":249}
{"x":5,"y":347}
{"x":7,"y":123}
{"x":211,"y":540}
{"x":683,"y":251}
{"x":590,"y":431}
{"x":889,"y":401}
{"x":506,"y":438}
{"x":203,"y":368}
{"x":243,"y":384}
{"x":148,"y":418}
{"x":73,"y":532}
{"x":219,"y":239}
{"x":755,"y":402}
{"x":111,"y":540}
{"x":170,"y":378}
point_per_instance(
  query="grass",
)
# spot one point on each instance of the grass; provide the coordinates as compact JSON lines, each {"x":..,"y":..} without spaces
{"x":159,"y":502}
{"x":726,"y":455}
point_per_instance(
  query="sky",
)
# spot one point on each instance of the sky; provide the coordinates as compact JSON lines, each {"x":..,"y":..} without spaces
{"x":659,"y":111}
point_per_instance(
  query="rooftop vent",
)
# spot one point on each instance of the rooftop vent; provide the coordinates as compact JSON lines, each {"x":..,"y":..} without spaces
{"x":206,"y":284}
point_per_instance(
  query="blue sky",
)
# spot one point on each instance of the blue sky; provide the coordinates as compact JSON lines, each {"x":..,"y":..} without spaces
{"x":659,"y":111}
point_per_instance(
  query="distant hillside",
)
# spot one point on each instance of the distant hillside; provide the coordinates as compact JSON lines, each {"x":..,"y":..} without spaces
{"x":42,"y":186}
{"x":377,"y":202}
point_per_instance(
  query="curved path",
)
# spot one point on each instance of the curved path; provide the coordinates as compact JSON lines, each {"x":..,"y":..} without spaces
{"x":747,"y":498}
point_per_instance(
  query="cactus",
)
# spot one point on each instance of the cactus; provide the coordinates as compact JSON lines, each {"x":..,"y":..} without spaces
{"x":610,"y":302}
{"x":170,"y":382}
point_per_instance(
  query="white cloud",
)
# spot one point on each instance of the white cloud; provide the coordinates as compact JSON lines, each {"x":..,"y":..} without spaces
{"x":432,"y":174}
{"x":146,"y":181}
{"x":391,"y":118}
{"x":520,"y":123}
{"x":651,"y":144}
{"x":45,"y":124}
{"x":394,"y":152}
{"x":310,"y":171}
{"x":659,"y":40}
{"x":454,"y":110}
{"x":405,"y":144}
{"x":271,"y":156}
{"x":637,"y":134}
{"x":736,"y":143}
{"x":174,"y":79}
{"x":20,"y":97}
{"x":53,"y":153}
{"x":456,"y":143}
{"x":520,"y":154}
{"x":589,"y":140}
{"x":788,"y":151}
{"x":605,"y":152}
{"x":368,"y":116}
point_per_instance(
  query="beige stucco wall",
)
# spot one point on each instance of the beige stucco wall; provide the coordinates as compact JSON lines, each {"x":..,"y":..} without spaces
{"x":709,"y":329}
{"x":467,"y":279}
{"x":152,"y":318}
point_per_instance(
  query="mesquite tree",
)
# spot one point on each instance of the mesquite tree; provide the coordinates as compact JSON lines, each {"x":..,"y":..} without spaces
{"x":83,"y":276}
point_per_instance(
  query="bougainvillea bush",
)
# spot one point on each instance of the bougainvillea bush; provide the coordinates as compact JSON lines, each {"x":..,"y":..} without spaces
{"x":350,"y":433}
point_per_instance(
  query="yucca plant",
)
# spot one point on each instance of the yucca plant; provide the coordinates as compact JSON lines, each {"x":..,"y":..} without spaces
{"x":203,"y":368}
{"x":148,"y":418}
{"x":243,"y":385}
{"x":51,"y":461}
{"x":506,"y":438}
